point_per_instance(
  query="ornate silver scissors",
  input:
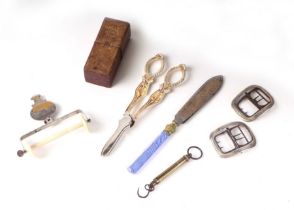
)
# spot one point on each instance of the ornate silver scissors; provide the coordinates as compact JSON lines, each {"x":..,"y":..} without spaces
{"x":131,"y":114}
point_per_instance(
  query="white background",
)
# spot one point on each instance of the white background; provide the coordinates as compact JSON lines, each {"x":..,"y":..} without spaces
{"x":44,"y":45}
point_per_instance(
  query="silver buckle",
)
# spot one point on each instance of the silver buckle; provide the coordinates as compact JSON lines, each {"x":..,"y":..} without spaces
{"x":232,"y":138}
{"x":257,"y":98}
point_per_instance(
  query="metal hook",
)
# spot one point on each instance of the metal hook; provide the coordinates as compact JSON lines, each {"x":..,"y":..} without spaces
{"x":143,"y":196}
{"x":148,"y":187}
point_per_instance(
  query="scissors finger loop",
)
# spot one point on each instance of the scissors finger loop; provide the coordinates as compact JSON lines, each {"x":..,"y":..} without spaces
{"x":151,"y":61}
{"x":168,"y":78}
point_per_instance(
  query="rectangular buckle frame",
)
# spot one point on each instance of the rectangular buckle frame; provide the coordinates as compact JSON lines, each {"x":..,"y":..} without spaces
{"x":258,"y":97}
{"x":240,"y":135}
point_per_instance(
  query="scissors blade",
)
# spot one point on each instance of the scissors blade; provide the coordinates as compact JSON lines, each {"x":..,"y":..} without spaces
{"x":199,"y":99}
{"x":124,"y":124}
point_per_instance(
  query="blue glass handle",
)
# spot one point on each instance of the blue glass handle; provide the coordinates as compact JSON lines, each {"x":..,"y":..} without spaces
{"x":144,"y":157}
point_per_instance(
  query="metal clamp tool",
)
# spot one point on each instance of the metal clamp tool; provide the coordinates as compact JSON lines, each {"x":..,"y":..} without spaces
{"x":131,"y":114}
{"x":44,"y":110}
